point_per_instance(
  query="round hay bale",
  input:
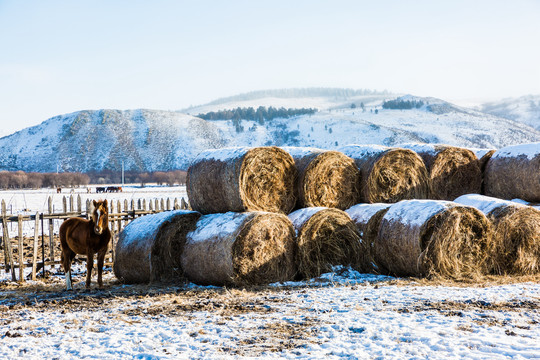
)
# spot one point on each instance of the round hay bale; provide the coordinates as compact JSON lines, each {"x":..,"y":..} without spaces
{"x":389,"y":175}
{"x":516,"y":234}
{"x":453,"y":171}
{"x":367,"y":218}
{"x":325,"y":178}
{"x":325,"y":237}
{"x":149,"y":247}
{"x":514,"y":172}
{"x":242,"y":179}
{"x":251,"y":248}
{"x":429,"y":237}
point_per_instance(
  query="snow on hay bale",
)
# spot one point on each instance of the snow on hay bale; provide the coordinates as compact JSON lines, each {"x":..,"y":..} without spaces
{"x":242,"y":179}
{"x":325,"y":178}
{"x":453,"y":171}
{"x":516,"y":234}
{"x":514,"y":172}
{"x":367,"y":218}
{"x":389,"y":174}
{"x":247,"y":248}
{"x":325,"y":237}
{"x":433,"y":237}
{"x":149,"y":248}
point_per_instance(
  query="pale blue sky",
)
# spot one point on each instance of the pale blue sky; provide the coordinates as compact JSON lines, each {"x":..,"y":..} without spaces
{"x":61,"y":56}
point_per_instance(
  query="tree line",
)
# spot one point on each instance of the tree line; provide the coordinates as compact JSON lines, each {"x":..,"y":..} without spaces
{"x":261,"y":114}
{"x":398,"y":104}
{"x":34,"y":180}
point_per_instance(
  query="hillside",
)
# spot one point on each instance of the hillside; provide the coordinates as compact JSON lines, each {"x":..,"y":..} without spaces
{"x":525,"y":109}
{"x":152,"y":140}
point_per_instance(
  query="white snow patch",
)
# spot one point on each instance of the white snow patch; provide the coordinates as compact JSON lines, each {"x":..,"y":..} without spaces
{"x":485,"y":204}
{"x":531,"y":151}
{"x":300,"y":216}
{"x":416,"y":212}
{"x":217,"y":225}
{"x":148,"y":226}
{"x":361,"y":213}
{"x":360,"y":151}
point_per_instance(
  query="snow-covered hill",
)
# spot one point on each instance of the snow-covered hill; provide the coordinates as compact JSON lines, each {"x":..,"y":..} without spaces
{"x":153,"y":140}
{"x":525,"y":109}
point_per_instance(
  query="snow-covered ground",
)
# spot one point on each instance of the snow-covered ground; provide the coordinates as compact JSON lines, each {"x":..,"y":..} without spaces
{"x":342,"y":314}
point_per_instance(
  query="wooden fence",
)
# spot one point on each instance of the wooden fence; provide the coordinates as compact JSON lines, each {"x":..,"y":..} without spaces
{"x":120,"y":214}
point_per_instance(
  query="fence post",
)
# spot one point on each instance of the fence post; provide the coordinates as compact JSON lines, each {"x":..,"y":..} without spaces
{"x":150,"y":206}
{"x":21,"y":248}
{"x":111,"y":222}
{"x":71,"y":204}
{"x":119,"y":220}
{"x":168,"y":204}
{"x":34,"y":257}
{"x":51,"y":233}
{"x":79,"y":204}
{"x":156,"y":202}
{"x":144,"y":204}
{"x":64,"y":204}
{"x":9,"y":250}
{"x":176,"y":206}
{"x":184,"y":204}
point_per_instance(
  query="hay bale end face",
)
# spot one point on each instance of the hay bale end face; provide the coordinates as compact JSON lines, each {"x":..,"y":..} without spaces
{"x":242,"y":179}
{"x":325,"y":178}
{"x":514,"y":172}
{"x":251,"y":248}
{"x":389,"y":175}
{"x":367,"y":218}
{"x":433,"y":238}
{"x":325,"y":238}
{"x":149,"y":248}
{"x":516,"y":237}
{"x":453,"y":171}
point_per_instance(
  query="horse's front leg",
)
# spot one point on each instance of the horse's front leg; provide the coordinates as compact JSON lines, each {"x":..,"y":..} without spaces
{"x":89,"y":266}
{"x":100,"y":261}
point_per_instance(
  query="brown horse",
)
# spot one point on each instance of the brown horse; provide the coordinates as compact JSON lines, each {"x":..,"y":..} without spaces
{"x":86,"y":237}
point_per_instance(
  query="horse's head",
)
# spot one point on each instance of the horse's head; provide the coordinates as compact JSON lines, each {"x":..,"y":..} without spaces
{"x":100,"y":216}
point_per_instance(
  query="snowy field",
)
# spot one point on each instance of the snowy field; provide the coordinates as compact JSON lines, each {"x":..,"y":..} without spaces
{"x":342,"y":314}
{"x":37,"y":200}
{"x":32,"y":201}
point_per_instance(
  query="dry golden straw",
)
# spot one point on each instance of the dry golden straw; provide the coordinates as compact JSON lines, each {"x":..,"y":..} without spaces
{"x":367,"y":218}
{"x":453,"y":171}
{"x":433,"y":238}
{"x":516,"y":235}
{"x":149,"y":248}
{"x":242,"y":179}
{"x":514,"y":173}
{"x":325,"y":237}
{"x":325,"y":178}
{"x":389,"y":175}
{"x":251,"y":248}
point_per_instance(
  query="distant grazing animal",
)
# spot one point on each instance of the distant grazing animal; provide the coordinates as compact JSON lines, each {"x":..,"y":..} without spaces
{"x":114,"y":189}
{"x":86,"y":237}
{"x":100,"y":189}
{"x":58,"y":190}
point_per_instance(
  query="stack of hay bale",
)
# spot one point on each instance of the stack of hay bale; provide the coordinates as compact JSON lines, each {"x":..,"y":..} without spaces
{"x":268,"y":214}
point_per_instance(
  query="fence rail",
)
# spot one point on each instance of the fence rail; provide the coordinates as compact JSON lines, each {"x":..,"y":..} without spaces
{"x":120,"y":214}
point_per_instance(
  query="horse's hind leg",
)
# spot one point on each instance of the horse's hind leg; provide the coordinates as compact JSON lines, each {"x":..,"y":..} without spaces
{"x":66,"y":258}
{"x":89,"y":266}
